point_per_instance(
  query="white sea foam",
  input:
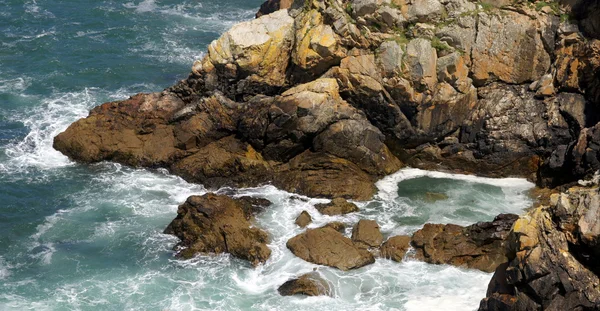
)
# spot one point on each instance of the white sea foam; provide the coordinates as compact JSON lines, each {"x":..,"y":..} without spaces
{"x":53,"y":116}
{"x":14,"y":85}
{"x":4,"y":269}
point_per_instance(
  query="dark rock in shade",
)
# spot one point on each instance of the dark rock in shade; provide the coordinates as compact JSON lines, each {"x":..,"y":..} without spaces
{"x":395,"y":247}
{"x":337,"y":206}
{"x":324,"y":175}
{"x":303,"y":219}
{"x":253,"y":206}
{"x":218,"y":224}
{"x":326,"y":246}
{"x":552,"y":257}
{"x":271,"y":6}
{"x":479,"y":246}
{"x":366,"y":234}
{"x":336,"y":225}
{"x":310,"y":284}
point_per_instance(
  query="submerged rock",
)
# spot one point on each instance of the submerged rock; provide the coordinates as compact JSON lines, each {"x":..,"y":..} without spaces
{"x":326,"y":246}
{"x":337,"y":206}
{"x":310,"y":284}
{"x":479,"y":246}
{"x":218,"y":224}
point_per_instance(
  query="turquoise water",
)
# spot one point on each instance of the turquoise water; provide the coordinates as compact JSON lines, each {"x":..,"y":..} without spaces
{"x":89,"y":237}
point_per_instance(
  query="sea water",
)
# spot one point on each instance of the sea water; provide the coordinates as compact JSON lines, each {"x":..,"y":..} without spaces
{"x":89,"y":237}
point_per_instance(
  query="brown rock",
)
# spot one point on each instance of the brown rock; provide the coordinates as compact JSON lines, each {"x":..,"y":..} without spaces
{"x":218,"y":224}
{"x":271,"y":6}
{"x":336,"y":225}
{"x":395,"y":247}
{"x":324,"y":175}
{"x":552,"y":257}
{"x":303,"y":219}
{"x":226,"y":162}
{"x":479,"y":246}
{"x":325,"y":246}
{"x":366,"y":234}
{"x":337,"y":206}
{"x":310,"y":284}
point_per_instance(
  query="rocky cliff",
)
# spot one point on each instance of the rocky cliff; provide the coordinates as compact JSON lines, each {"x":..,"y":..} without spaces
{"x":305,"y":97}
{"x":326,"y":96}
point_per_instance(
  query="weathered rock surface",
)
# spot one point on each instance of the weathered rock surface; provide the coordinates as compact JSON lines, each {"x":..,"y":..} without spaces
{"x":395,"y":247}
{"x":366,"y":234}
{"x":552,"y":257}
{"x":310,"y":284}
{"x":219,"y":224}
{"x":479,"y":246}
{"x":326,"y":246}
{"x":337,"y":206}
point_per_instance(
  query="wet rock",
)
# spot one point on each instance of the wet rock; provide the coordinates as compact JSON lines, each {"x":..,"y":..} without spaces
{"x":253,"y":206}
{"x":303,"y":219}
{"x":431,"y":197}
{"x":218,"y":224}
{"x":366,"y":234}
{"x":336,"y":225}
{"x":479,"y":246}
{"x":337,"y":206}
{"x":395,"y":247}
{"x":551,"y":253}
{"x":226,"y":162}
{"x":326,"y":246}
{"x":310,"y":284}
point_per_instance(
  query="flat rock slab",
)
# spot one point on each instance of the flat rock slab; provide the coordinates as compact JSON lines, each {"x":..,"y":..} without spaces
{"x":326,"y":246}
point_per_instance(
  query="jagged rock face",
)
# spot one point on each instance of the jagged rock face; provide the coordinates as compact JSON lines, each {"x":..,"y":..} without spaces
{"x":256,"y":52}
{"x":330,"y":89}
{"x":552,"y":257}
{"x":479,"y":246}
{"x":218,"y":224}
{"x":310,"y":284}
{"x":326,"y":246}
{"x":514,"y":34}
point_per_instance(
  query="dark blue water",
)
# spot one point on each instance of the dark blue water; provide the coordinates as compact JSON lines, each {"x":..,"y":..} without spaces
{"x":89,"y":237}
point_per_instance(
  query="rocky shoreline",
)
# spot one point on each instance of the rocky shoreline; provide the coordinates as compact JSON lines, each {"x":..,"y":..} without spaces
{"x":323,"y":98}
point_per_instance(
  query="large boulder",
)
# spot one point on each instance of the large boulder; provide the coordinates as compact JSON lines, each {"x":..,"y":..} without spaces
{"x":219,"y":224}
{"x":326,"y":246}
{"x":552,"y":257}
{"x":479,"y":246}
{"x":310,"y":284}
